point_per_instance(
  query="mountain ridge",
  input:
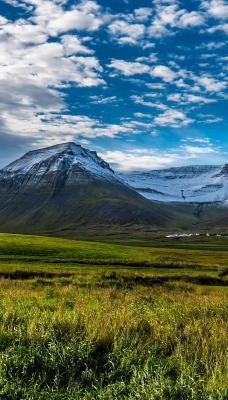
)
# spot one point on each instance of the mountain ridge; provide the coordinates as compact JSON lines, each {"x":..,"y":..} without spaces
{"x":67,"y":186}
{"x":186,"y":184}
{"x":73,"y":153}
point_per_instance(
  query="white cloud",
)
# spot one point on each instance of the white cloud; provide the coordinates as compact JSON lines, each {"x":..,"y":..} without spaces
{"x":208,"y":55}
{"x":158,"y":29}
{"x":189,"y":98}
{"x":181,"y":84}
{"x":163,"y":72}
{"x":147,"y":159}
{"x":197,"y":140}
{"x":147,"y":45}
{"x":216,"y":8}
{"x":208,"y":119}
{"x":51,"y":16}
{"x":152,"y":58}
{"x":33,"y":69}
{"x":143,"y":13}
{"x":65,"y":127}
{"x":221,"y":27}
{"x":103,"y":100}
{"x":191,"y":19}
{"x":141,"y":100}
{"x":173,"y":118}
{"x":128,"y":68}
{"x":194,"y":150}
{"x":48,"y":51}
{"x":169,"y":17}
{"x":73,"y":45}
{"x":155,"y":85}
{"x":124,"y":32}
{"x":18,"y":3}
{"x":210,"y":84}
{"x":137,"y":159}
{"x":3,"y":20}
{"x":170,"y":117}
{"x":212,"y":120}
{"x":142,"y":115}
{"x":211,"y":45}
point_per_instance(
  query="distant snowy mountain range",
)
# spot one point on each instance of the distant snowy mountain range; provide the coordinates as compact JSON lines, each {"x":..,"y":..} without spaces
{"x":190,"y":184}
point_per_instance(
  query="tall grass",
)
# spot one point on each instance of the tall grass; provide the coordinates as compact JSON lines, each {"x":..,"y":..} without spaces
{"x":83,"y":337}
{"x":83,"y":320}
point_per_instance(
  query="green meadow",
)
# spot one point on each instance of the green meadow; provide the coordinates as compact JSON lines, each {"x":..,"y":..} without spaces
{"x":139,"y":319}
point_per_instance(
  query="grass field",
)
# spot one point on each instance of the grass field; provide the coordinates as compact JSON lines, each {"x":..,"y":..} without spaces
{"x":132,"y":320}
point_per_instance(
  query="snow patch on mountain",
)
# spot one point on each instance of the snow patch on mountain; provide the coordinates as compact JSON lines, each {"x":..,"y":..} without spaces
{"x":191,"y":184}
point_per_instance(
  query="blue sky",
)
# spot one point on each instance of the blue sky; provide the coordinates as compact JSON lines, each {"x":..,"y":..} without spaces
{"x":141,"y":82}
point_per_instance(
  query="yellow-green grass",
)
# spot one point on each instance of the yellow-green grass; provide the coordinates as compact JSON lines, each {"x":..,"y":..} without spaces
{"x":83,"y":320}
{"x":38,"y":250}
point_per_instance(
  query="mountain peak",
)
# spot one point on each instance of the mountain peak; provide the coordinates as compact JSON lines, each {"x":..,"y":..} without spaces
{"x":61,"y":156}
{"x":66,"y":186}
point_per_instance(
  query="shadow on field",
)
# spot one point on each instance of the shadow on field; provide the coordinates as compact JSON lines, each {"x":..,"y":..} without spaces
{"x":23,"y":275}
{"x":120,"y":280}
{"x":114,"y":279}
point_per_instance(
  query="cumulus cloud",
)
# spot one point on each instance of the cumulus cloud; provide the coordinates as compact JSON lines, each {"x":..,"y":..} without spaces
{"x":34,"y":70}
{"x":169,"y":17}
{"x":128,"y":68}
{"x":190,"y":19}
{"x":174,"y":118}
{"x":53,"y":18}
{"x":210,"y":84}
{"x":143,"y":13}
{"x":189,"y":98}
{"x":216,"y":8}
{"x":123,"y":32}
{"x":163,"y":72}
{"x":56,"y":60}
{"x":220,"y":27}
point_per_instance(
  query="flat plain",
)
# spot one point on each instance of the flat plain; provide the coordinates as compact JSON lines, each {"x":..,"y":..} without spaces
{"x":132,"y":319}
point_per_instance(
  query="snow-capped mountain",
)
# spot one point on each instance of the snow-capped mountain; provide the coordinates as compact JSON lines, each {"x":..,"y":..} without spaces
{"x":191,"y":184}
{"x":68,"y":160}
{"x":64,"y":187}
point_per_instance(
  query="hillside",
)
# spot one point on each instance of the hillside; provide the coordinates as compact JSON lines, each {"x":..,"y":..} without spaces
{"x":65,"y":188}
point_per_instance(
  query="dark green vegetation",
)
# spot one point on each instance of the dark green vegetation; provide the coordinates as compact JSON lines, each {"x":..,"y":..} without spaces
{"x":90,"y":207}
{"x":90,"y":320}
